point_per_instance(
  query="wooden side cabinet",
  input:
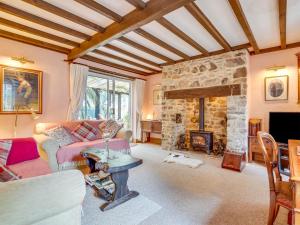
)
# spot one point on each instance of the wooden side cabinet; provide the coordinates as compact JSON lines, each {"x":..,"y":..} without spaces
{"x":150,"y":126}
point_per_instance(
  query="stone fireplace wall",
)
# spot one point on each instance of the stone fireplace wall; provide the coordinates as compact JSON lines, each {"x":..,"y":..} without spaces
{"x":226,"y":116}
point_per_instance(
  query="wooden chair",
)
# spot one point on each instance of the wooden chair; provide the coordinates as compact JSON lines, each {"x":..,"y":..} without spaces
{"x":280,"y":191}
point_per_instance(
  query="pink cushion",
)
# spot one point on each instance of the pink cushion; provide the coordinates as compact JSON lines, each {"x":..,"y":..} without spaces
{"x":31,"y":168}
{"x":72,"y":152}
{"x":22,"y":149}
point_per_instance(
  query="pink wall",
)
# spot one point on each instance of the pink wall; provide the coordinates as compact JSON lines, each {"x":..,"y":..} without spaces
{"x":258,"y":107}
{"x":151,"y":84}
{"x":55,"y":84}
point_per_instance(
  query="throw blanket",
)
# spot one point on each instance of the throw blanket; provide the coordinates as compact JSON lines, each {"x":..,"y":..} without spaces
{"x":71,"y":152}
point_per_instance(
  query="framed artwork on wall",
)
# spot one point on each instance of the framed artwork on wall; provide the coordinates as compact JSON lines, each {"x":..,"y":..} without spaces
{"x":157,"y":95}
{"x":276,"y":88}
{"x":21,"y":90}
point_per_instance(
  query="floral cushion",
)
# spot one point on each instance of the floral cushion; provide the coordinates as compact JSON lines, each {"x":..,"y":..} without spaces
{"x":61,"y":135}
{"x":5,"y":147}
{"x":85,"y":132}
{"x":111,"y":127}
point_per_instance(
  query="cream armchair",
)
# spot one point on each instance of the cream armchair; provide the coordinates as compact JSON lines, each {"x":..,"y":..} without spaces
{"x":45,"y":200}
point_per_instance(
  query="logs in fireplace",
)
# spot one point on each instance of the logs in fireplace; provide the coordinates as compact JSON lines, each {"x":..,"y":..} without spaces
{"x":201,"y":139}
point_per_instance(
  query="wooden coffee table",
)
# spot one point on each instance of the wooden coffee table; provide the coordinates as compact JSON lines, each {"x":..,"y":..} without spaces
{"x":118,"y":166}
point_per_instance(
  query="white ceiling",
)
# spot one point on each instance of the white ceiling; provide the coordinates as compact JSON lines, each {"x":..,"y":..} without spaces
{"x":262,"y":16}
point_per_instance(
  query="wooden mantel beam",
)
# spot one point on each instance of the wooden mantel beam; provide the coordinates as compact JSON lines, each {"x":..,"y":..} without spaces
{"x":216,"y":91}
{"x":282,"y":22}
{"x":137,"y":18}
{"x":238,"y":11}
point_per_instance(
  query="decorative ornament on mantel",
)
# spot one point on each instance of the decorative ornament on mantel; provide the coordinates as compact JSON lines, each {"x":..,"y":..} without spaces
{"x":22,"y":59}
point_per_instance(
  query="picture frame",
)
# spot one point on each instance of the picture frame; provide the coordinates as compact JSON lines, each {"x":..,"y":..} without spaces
{"x":157,"y":96}
{"x":20,"y":90}
{"x":276,"y":88}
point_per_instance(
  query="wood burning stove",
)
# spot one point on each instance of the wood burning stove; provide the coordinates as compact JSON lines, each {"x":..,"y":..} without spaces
{"x":201,"y":139}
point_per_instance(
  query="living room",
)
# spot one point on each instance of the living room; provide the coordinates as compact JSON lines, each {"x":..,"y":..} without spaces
{"x":149,"y":112}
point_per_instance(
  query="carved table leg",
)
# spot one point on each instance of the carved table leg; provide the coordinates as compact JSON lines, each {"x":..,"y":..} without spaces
{"x":121,"y":194}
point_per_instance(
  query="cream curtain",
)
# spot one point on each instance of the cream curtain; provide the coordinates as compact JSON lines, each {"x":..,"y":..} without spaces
{"x":78,"y":80}
{"x":138,"y":100}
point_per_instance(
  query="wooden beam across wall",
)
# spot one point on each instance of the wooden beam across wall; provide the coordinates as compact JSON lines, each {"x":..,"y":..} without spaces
{"x":277,"y":48}
{"x":204,"y":21}
{"x":216,"y":91}
{"x":31,"y":41}
{"x":238,"y":11}
{"x":143,"y":48}
{"x":282,"y":4}
{"x":161,"y":43}
{"x":113,"y":65}
{"x":41,"y":21}
{"x":218,"y":52}
{"x":140,"y":4}
{"x":64,"y":14}
{"x":168,"y":25}
{"x":91,"y":4}
{"x":97,"y":51}
{"x":130,"y":22}
{"x":36,"y":32}
{"x":124,"y":52}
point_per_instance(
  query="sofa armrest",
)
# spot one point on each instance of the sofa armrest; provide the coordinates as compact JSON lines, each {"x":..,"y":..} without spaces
{"x":44,"y":198}
{"x":49,"y":147}
{"x":124,"y":134}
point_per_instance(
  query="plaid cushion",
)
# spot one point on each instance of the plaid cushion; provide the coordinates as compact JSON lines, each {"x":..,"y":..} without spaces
{"x":7,"y":174}
{"x":5,"y":146}
{"x":85,"y":132}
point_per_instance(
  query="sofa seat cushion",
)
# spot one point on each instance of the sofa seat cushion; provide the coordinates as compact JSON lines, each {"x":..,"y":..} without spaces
{"x":71,"y":152}
{"x":31,"y":168}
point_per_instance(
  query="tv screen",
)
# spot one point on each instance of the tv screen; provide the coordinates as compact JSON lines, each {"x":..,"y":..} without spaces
{"x":284,"y":126}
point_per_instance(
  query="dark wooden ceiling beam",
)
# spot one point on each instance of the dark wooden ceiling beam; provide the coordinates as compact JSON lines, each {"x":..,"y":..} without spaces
{"x":31,"y":41}
{"x":97,"y":51}
{"x":64,"y":14}
{"x":161,"y":43}
{"x":36,"y":32}
{"x":113,"y":65}
{"x":41,"y":21}
{"x":282,"y":4}
{"x":140,"y":4}
{"x":133,"y":20}
{"x":168,"y":25}
{"x":238,"y":11}
{"x":277,"y":48}
{"x":91,"y":4}
{"x":124,"y":52}
{"x":204,"y":21}
{"x":144,"y":49}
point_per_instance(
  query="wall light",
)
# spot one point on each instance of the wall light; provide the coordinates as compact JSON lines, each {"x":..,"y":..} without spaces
{"x":277,"y":71}
{"x":22,"y":59}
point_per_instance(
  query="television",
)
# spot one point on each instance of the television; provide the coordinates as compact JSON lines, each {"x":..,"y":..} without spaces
{"x":284,"y":126}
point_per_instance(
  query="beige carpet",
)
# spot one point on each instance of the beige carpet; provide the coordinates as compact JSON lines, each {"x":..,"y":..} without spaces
{"x":207,"y":195}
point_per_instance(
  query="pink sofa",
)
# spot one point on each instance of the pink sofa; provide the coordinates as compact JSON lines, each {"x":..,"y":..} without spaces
{"x":68,"y":157}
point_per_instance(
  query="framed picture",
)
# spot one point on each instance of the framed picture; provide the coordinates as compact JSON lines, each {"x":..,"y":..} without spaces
{"x":276,"y":88}
{"x":157,"y":96}
{"x":21,"y":90}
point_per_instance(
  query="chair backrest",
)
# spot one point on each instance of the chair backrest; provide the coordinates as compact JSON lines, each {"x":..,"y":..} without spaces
{"x":271,"y":157}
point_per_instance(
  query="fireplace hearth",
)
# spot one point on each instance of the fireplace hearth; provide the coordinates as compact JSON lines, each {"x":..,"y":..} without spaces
{"x":201,"y":139}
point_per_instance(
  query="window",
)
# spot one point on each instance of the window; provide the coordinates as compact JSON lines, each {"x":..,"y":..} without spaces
{"x":107,"y":97}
